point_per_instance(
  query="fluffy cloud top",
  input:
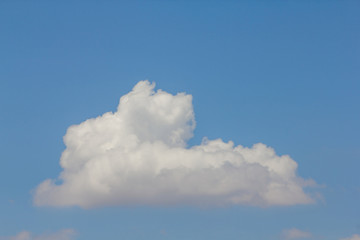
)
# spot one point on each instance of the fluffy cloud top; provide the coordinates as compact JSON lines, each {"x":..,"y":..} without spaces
{"x":65,"y":234}
{"x":294,"y":233}
{"x":353,"y":237}
{"x":138,"y":155}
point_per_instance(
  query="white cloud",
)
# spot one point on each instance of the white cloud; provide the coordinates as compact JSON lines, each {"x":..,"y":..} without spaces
{"x":353,"y":237}
{"x":138,"y":155}
{"x":294,"y":233}
{"x":65,"y":234}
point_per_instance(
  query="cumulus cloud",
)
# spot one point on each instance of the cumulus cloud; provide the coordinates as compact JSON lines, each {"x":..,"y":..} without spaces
{"x":294,"y":233}
{"x":353,"y":237}
{"x":138,"y":155}
{"x":65,"y":234}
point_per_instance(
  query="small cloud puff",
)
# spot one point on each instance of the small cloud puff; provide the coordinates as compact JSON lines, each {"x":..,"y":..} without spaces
{"x":65,"y":234}
{"x":138,"y":156}
{"x":353,"y":237}
{"x":294,"y":233}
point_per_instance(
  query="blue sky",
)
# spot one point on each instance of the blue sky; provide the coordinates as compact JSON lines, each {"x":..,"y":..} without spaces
{"x":283,"y":73}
